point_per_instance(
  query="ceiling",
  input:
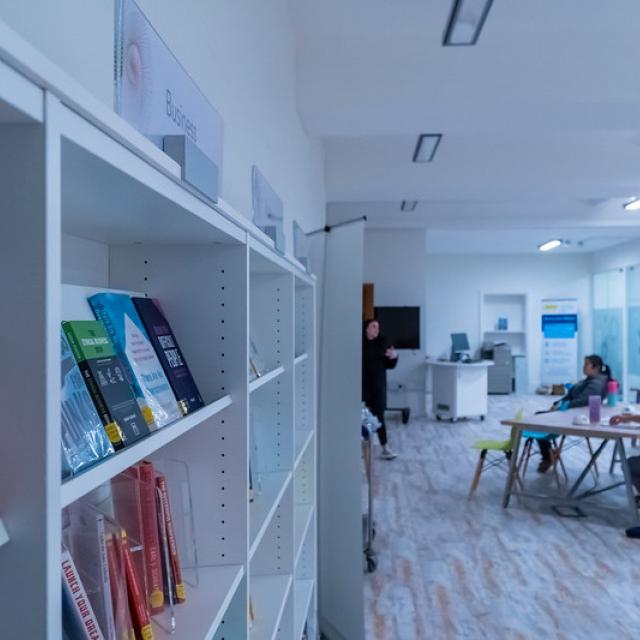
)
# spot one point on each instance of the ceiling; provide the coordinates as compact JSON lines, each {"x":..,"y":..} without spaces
{"x":540,"y":120}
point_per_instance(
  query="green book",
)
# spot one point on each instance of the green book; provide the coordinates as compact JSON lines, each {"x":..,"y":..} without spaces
{"x":104,"y":375}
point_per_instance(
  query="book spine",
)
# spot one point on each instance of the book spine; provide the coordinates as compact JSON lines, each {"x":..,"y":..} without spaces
{"x":110,"y":630}
{"x":80,"y":607}
{"x":124,"y":626}
{"x":137,"y":601}
{"x":176,"y":572}
{"x":155,"y":594}
{"x":73,"y":342}
{"x":113,"y":431}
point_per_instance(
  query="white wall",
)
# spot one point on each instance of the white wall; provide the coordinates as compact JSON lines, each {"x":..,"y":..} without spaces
{"x":454,"y":283}
{"x":242,"y":56}
{"x":623,"y":255}
{"x":394,"y":261}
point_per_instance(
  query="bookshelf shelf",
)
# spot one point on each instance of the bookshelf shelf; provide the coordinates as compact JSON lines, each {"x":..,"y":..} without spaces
{"x":301,"y":358}
{"x":107,"y":210}
{"x":303,"y":518}
{"x":303,"y":592}
{"x":269,"y":595}
{"x":201,"y":614}
{"x":80,"y":485}
{"x":262,"y":509}
{"x":303,"y":438}
{"x":254,"y":385}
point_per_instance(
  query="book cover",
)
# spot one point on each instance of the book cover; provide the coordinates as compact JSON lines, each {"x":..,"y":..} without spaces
{"x":79,"y":619}
{"x":151,"y":541}
{"x":118,"y":588}
{"x":137,"y":600}
{"x":168,"y":351}
{"x":104,"y":376}
{"x":105,"y":586}
{"x":173,"y":582}
{"x":84,"y":440}
{"x":131,"y":342}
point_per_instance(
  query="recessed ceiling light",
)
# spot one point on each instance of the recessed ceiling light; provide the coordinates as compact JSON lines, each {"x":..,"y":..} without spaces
{"x":633,"y":204}
{"x":426,"y":147}
{"x":408,"y":205}
{"x":466,"y":21}
{"x":552,"y":244}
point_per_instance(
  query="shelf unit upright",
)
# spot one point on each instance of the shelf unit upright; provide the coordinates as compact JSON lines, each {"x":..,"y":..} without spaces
{"x":90,"y":205}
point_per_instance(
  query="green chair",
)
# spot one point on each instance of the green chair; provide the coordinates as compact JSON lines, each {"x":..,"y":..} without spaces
{"x":504,"y":447}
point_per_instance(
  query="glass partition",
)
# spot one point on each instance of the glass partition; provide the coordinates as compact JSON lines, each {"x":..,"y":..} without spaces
{"x":608,"y":305}
{"x":633,"y":330}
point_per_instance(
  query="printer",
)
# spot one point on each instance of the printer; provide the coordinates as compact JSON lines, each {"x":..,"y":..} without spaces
{"x":500,"y":375}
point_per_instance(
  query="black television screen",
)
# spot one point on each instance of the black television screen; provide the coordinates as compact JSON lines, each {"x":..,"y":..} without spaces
{"x":400,"y":326}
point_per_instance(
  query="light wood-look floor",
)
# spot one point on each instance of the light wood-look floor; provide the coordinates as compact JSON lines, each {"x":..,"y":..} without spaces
{"x":453,"y":568}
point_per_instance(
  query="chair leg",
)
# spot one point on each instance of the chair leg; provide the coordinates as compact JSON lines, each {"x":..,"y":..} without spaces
{"x":524,"y":460}
{"x":557,"y":461}
{"x":477,"y":474}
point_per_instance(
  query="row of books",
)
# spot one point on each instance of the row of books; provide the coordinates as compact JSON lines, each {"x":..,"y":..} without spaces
{"x":120,"y":563}
{"x":123,"y":376}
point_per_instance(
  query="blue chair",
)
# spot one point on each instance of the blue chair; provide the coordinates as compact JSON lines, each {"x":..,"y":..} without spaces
{"x":556,"y":453}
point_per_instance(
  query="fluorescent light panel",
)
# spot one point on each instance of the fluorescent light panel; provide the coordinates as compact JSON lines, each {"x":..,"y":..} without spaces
{"x":465,"y":23}
{"x":408,"y":205}
{"x":551,"y":244}
{"x":426,"y":147}
{"x":633,"y":204}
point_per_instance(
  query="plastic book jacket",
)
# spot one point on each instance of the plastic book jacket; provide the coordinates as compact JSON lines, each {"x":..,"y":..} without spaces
{"x":150,"y":385}
{"x":84,"y":440}
{"x":106,"y":380}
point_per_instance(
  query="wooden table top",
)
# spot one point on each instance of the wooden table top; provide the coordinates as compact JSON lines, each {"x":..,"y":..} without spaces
{"x":562,"y":422}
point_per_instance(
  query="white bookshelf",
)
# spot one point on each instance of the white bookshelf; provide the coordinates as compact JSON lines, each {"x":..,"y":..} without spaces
{"x":513,"y":307}
{"x":90,"y":204}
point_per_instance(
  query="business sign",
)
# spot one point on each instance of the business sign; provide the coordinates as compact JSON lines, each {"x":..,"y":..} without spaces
{"x":559,"y":324}
{"x":154,"y":93}
{"x":268,"y":209}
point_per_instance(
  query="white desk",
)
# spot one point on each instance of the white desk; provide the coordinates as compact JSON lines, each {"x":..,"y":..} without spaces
{"x":459,"y":389}
{"x":561,"y":422}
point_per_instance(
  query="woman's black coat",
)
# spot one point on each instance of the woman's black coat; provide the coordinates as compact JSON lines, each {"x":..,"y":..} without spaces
{"x":374,"y":374}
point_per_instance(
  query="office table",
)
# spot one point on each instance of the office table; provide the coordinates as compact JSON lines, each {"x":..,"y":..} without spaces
{"x":459,"y":388}
{"x":561,"y":422}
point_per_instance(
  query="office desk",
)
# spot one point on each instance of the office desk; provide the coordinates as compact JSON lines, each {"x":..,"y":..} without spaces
{"x":561,"y":422}
{"x":459,"y":389}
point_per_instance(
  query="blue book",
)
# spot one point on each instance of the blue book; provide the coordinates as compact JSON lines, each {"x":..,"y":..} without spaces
{"x":131,"y":342}
{"x":84,"y":440}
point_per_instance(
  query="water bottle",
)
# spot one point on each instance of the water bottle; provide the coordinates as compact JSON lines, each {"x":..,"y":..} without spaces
{"x":612,"y":393}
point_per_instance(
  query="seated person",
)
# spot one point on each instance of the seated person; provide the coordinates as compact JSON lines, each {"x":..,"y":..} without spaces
{"x":633,"y":461}
{"x":597,"y":375}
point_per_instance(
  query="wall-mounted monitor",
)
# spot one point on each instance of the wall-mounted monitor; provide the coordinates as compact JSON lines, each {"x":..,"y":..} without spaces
{"x":400,"y":325}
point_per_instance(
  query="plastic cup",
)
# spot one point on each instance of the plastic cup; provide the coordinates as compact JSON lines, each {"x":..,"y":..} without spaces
{"x":595,"y":403}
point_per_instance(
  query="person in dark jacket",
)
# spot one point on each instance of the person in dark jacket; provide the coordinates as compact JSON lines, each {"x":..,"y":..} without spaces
{"x":597,"y":375}
{"x":377,"y":356}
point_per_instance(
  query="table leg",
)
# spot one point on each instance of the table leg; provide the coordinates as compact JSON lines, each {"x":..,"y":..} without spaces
{"x":513,"y":464}
{"x":585,"y":471}
{"x":627,"y":481}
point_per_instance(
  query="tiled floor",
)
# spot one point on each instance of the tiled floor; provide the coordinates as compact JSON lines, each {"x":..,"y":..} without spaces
{"x":453,"y":568}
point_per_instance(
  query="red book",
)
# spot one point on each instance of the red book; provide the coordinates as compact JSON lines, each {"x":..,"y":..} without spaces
{"x":118,"y":585}
{"x":137,"y":601}
{"x":150,"y":541}
{"x":174,"y":560}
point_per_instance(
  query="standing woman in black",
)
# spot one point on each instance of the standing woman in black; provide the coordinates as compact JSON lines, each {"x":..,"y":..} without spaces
{"x":377,"y":356}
